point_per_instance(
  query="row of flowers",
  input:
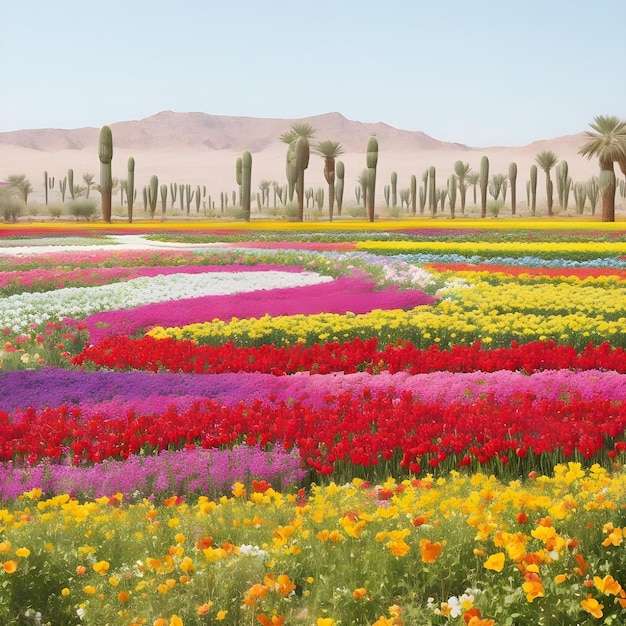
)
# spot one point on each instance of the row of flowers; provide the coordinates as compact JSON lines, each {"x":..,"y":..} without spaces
{"x":168,"y":498}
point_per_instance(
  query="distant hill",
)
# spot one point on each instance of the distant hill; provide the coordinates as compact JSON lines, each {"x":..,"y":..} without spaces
{"x":201,"y":149}
{"x":170,"y":130}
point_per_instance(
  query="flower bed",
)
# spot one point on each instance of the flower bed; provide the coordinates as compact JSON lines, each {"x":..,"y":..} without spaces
{"x":298,"y":436}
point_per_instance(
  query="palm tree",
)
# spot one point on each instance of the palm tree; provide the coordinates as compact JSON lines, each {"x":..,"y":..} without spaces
{"x":290,"y":137}
{"x":608,"y":143}
{"x":22,"y":184}
{"x":546,"y":160}
{"x":329,"y":151}
{"x":473,"y":178}
{"x":88,"y":178}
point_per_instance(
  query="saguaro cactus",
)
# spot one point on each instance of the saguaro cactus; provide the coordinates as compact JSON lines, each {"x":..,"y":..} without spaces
{"x":238,"y":178}
{"x":163,"y":201}
{"x":153,"y":191}
{"x":45,"y":186}
{"x":484,"y":185}
{"x":246,"y":183}
{"x":340,"y":172}
{"x":105,"y":154}
{"x":533,"y":188}
{"x":513,"y":180}
{"x":130,"y":188}
{"x":372,"y":162}
{"x":302,"y":151}
{"x":452,"y":194}
{"x":70,"y":183}
{"x":413,"y":194}
{"x":394,"y":189}
{"x":432,"y":190}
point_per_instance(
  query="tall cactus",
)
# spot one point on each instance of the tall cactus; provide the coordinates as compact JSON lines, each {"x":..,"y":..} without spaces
{"x":45,"y":186}
{"x":302,"y":152}
{"x":173,"y":192}
{"x":394,"y":189}
{"x":246,"y":183}
{"x":513,"y":181}
{"x":413,"y":194}
{"x":533,"y":189}
{"x":372,"y":162}
{"x":432,"y":190}
{"x":63,"y":187}
{"x":105,"y":154}
{"x":484,"y":185}
{"x":452,"y":194}
{"x":340,"y":172}
{"x":163,"y":201}
{"x":153,"y":191}
{"x":130,"y":188}
{"x":70,"y":183}
{"x":198,"y":198}
{"x":238,"y":178}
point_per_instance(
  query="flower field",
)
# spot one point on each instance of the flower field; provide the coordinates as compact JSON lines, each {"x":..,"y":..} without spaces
{"x":313,"y":425}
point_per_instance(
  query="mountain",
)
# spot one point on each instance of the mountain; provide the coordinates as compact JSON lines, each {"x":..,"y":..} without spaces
{"x":201,"y":149}
{"x":170,"y":130}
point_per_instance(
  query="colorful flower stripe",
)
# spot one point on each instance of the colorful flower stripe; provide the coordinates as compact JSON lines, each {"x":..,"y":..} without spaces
{"x":19,"y":311}
{"x":568,"y":249}
{"x":355,"y":293}
{"x":459,"y":321}
{"x":157,"y":355}
{"x":47,"y":279}
{"x":387,"y":430}
{"x":582,"y":273}
{"x":105,"y":395}
{"x":192,"y":470}
{"x":318,"y":246}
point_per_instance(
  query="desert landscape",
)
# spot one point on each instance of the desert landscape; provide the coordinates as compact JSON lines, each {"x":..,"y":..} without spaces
{"x":201,"y":149}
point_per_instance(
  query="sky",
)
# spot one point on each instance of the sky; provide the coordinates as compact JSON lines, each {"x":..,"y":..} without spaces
{"x":476,"y":72}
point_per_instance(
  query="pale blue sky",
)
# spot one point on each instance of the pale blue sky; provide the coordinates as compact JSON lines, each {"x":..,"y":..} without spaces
{"x":481,"y":72}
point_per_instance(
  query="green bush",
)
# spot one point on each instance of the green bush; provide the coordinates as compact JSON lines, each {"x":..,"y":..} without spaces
{"x":55,"y":211}
{"x":357,"y":212}
{"x":11,"y":205}
{"x":85,"y":209}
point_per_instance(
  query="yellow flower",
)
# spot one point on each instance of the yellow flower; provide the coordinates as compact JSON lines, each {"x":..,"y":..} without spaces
{"x":533,"y":589}
{"x":90,"y":590}
{"x":592,"y":606}
{"x":607,"y":585}
{"x":22,"y":552}
{"x":101,"y":567}
{"x":221,"y":615}
{"x":325,"y":621}
{"x":495,"y":562}
{"x":65,"y":592}
{"x":176,"y":621}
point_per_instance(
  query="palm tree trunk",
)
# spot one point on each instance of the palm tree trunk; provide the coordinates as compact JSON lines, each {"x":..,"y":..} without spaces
{"x":608,"y":186}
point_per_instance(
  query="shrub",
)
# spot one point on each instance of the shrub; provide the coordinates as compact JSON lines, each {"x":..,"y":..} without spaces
{"x":11,"y":205}
{"x":55,"y":211}
{"x":357,"y":212}
{"x":83,"y":208}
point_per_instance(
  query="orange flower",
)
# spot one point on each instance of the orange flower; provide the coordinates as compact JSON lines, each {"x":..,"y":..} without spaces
{"x":123,"y":596}
{"x":204,"y":609}
{"x":533,"y":589}
{"x":583,"y":566}
{"x":521,"y":518}
{"x":607,"y":585}
{"x":495,"y":562}
{"x":9,"y":566}
{"x":361,"y":592}
{"x":592,"y":606}
{"x":560,"y":578}
{"x":430,"y":551}
{"x":275,"y":620}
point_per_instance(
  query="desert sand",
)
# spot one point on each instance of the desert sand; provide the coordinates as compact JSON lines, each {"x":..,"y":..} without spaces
{"x":198,"y":149}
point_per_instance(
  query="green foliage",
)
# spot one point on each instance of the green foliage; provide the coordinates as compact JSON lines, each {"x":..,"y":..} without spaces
{"x":11,"y":203}
{"x":130,"y":187}
{"x":413,"y":194}
{"x":83,"y":209}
